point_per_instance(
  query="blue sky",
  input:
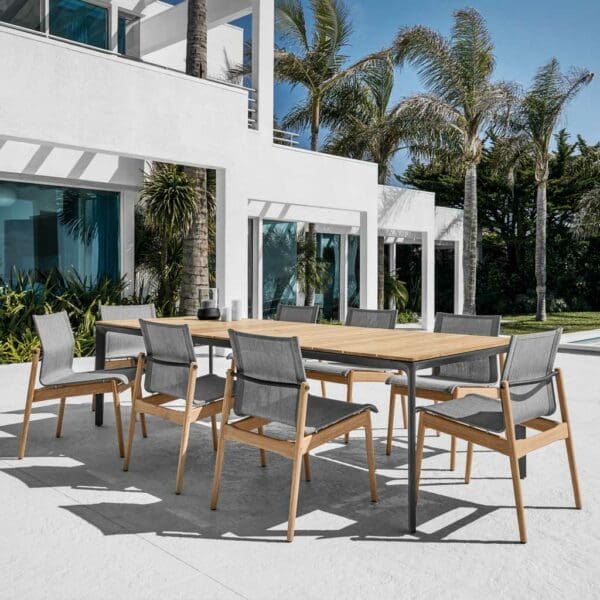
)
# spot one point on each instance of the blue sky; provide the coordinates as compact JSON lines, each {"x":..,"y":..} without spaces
{"x":526,"y":33}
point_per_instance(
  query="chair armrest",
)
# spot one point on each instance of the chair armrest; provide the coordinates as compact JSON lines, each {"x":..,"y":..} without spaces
{"x":491,"y":392}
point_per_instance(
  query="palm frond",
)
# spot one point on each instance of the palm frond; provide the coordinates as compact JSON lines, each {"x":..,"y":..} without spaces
{"x":290,"y":22}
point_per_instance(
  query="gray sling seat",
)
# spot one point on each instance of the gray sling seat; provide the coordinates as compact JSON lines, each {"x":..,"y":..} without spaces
{"x":449,"y":381}
{"x":121,"y":345}
{"x":526,"y":397}
{"x":171,"y":373}
{"x":60,"y":381}
{"x":58,"y":345}
{"x":348,"y":374}
{"x":271,"y":388}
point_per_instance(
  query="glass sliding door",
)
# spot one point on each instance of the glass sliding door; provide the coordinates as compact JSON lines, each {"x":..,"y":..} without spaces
{"x":280,"y":256}
{"x":328,"y":250}
{"x":69,"y":229}
{"x":80,"y":22}
{"x":354,"y":271}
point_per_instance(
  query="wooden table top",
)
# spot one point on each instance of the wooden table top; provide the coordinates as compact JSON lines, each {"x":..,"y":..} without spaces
{"x":402,"y":345}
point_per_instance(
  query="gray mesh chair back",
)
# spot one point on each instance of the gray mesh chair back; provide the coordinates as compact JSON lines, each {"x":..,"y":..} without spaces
{"x":297,"y":314}
{"x":528,"y":370}
{"x":169,"y":353}
{"x":58,"y":344}
{"x":378,"y":319}
{"x":482,"y":370}
{"x":120,"y":345}
{"x":268,"y":378}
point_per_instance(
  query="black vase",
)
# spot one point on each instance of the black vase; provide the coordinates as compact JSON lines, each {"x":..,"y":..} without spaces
{"x":209,"y":314}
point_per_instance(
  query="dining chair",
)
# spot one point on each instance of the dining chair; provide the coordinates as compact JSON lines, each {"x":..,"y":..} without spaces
{"x":297,"y":314}
{"x":60,"y":381}
{"x":122,"y":350}
{"x":346,"y":374}
{"x":171,"y":373}
{"x":527,"y":397}
{"x":453,"y":380}
{"x":270,"y":386}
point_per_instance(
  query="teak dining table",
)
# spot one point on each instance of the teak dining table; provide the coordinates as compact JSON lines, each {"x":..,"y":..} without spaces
{"x":395,"y":349}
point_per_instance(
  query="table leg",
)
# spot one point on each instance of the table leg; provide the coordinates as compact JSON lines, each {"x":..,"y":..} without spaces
{"x":100,"y":364}
{"x":521,"y":434}
{"x":210,"y":359}
{"x":412,"y":454}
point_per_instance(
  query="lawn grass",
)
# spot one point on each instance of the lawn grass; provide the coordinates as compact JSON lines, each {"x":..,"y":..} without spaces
{"x":569,"y":321}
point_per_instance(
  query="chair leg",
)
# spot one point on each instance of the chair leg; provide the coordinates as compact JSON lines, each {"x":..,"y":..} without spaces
{"x":261,"y":452}
{"x":213,"y":427}
{"x":118,"y":421}
{"x":469,"y":462}
{"x":93,"y":403}
{"x":218,"y":468}
{"x":143,"y":425}
{"x":131,"y":435}
{"x":452,"y":453}
{"x":185,"y":436}
{"x":25,"y":427}
{"x":294,"y":491}
{"x":404,"y":412}
{"x":307,"y":469}
{"x":420,"y":445}
{"x":390,"y":430}
{"x":573,"y":470}
{"x":516,"y":479}
{"x":437,"y":433}
{"x":61,"y":414}
{"x":323,"y":389}
{"x":370,"y":457}
{"x":349,"y":398}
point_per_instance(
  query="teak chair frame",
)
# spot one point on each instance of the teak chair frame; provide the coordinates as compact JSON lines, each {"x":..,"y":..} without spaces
{"x":297,"y":449}
{"x":153,"y":405}
{"x":549,"y":430}
{"x":62,"y":392}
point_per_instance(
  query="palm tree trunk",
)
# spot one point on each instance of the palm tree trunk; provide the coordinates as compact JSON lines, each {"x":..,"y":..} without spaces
{"x":470,"y":240}
{"x":195,"y":272}
{"x":311,"y":235}
{"x":540,"y":250}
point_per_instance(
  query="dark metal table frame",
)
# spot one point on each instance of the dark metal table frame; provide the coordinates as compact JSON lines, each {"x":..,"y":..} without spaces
{"x":410,"y":368}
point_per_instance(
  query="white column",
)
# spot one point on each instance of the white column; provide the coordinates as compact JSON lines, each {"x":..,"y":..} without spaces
{"x":459,"y":292}
{"x":257,"y":269}
{"x":127,"y":240}
{"x":113,"y":28}
{"x":427,"y":279}
{"x":232,"y":240}
{"x":392,"y":266}
{"x":368,"y":259}
{"x":343,"y":276}
{"x":263,"y":44}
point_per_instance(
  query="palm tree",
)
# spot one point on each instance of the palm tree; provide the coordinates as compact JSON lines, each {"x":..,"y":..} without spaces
{"x":314,"y":61}
{"x":542,"y":107}
{"x":370,"y":128}
{"x":448,"y":123}
{"x":195,"y":273}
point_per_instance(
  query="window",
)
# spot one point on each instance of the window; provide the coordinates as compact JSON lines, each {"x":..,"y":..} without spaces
{"x":128,"y":38}
{"x":79,"y":21}
{"x":279,"y":265}
{"x":354,"y":271}
{"x":328,"y":250}
{"x":24,"y":13}
{"x":69,"y":229}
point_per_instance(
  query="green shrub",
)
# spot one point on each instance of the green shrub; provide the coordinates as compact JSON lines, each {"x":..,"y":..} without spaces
{"x":29,"y":294}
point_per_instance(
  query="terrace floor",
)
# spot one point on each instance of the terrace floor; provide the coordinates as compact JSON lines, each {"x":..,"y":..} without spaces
{"x":74,"y":525}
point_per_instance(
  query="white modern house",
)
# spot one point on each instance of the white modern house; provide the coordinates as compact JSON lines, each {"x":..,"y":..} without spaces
{"x":91,"y":91}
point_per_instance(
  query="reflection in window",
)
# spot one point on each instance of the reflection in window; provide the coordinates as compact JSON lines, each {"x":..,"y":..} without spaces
{"x":44,"y":228}
{"x":328,"y":250}
{"x":279,"y":266}
{"x":79,"y":21}
{"x":24,"y":13}
{"x":354,"y":271}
